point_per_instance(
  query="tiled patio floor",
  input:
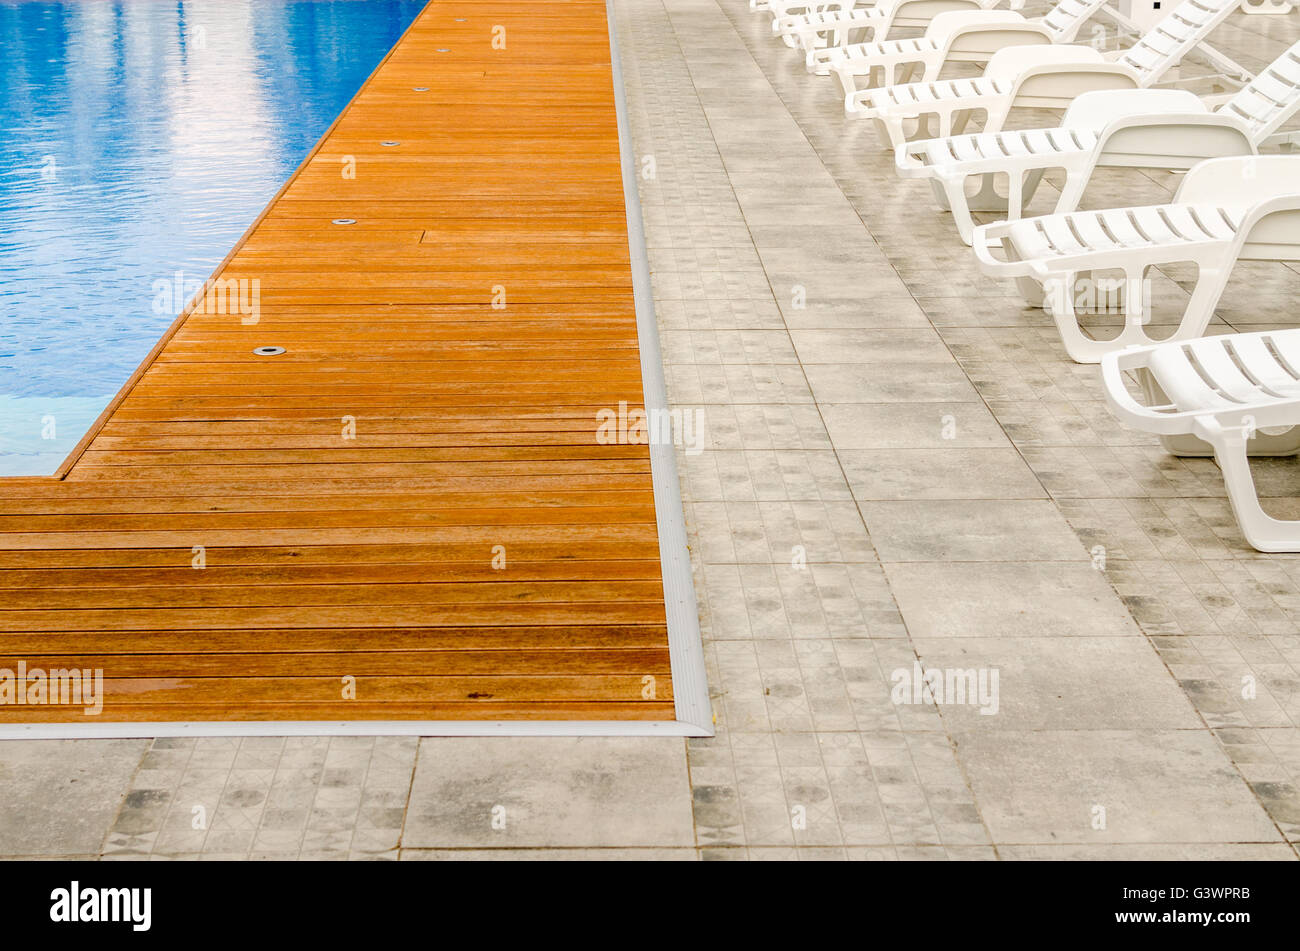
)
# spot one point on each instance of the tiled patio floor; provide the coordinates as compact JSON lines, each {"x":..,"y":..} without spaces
{"x":902,"y":467}
{"x":961,"y":495}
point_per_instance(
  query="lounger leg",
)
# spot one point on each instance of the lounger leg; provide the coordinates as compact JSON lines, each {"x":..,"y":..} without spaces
{"x":1259,"y":528}
{"x":1032,"y":181}
{"x":1015,"y":194}
{"x":955,"y":200}
{"x":1076,"y":183}
{"x":995,"y":117}
{"x":943,"y":192}
{"x":847,"y":81}
{"x":1210,"y":282}
{"x":988,"y":199}
{"x":1059,"y":302}
{"x":891,"y":132}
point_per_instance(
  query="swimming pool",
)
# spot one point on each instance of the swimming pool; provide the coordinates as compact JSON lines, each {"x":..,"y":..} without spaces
{"x":138,"y":140}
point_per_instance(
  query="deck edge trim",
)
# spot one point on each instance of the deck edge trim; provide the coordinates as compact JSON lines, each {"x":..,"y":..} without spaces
{"x":227,"y":728}
{"x":685,"y":649}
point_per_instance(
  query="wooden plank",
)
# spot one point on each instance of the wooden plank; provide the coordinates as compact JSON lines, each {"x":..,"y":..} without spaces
{"x":414,"y":493}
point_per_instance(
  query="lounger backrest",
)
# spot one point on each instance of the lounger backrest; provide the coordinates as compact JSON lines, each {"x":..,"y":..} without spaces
{"x":1097,"y":109}
{"x":1268,"y":185}
{"x":1271,"y":98}
{"x":1064,"y":20}
{"x":1173,"y":37}
{"x":1240,"y":180}
{"x":1011,"y":62}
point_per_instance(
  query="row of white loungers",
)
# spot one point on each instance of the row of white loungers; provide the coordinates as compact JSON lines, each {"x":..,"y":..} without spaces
{"x":1232,"y":395}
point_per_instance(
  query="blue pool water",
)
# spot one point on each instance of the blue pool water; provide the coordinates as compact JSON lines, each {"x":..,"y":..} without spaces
{"x":140,"y":138}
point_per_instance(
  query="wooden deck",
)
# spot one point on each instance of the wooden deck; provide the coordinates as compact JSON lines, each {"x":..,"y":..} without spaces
{"x":372,"y":557}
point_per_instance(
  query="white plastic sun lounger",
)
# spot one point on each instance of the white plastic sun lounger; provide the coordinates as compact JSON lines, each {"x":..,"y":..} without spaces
{"x":966,"y":36}
{"x":1226,"y":210}
{"x":913,"y":110}
{"x":1044,"y":77}
{"x":777,"y":9}
{"x":1135,"y":128}
{"x":820,"y":31}
{"x":1233,"y":392}
{"x":783,"y":9}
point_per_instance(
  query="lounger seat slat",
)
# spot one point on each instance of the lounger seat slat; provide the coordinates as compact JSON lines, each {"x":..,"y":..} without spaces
{"x":1212,"y":222}
{"x":1119,"y":224}
{"x":1141,"y":58}
{"x":1287,"y":345}
{"x":968,"y":147}
{"x":1089,"y":228}
{"x":1272,"y":88}
{"x":1251,"y":107}
{"x":1186,"y":389}
{"x":1263,"y":366}
{"x":1037,"y":141}
{"x":1057,"y":229}
{"x":1191,"y":226}
{"x":1029,"y":239}
{"x":1288,"y":68}
{"x":1162,"y":43}
{"x":1150,"y":222}
{"x":1073,"y":140}
{"x":1009,"y":143}
{"x":1223,"y":373}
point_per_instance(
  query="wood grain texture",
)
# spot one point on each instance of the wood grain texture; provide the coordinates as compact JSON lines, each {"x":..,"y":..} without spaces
{"x":349,"y":495}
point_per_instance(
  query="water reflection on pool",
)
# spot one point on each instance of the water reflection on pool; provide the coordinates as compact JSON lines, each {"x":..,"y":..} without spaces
{"x":139,"y":139}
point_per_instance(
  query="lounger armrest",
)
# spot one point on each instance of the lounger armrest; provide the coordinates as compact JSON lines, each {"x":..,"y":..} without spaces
{"x":907,"y":159}
{"x":1124,"y":406}
{"x":988,"y":237}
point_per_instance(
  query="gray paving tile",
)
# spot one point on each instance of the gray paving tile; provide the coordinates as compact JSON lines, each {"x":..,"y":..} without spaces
{"x":978,"y":599}
{"x":549,"y":791}
{"x":61,"y":796}
{"x":903,"y":382}
{"x":915,"y":474}
{"x":974,"y":531}
{"x":869,"y":346}
{"x":1041,"y":683}
{"x":898,"y":425}
{"x":1156,"y":786}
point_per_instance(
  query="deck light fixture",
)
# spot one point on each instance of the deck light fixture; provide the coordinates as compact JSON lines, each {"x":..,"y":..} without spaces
{"x":344,"y":221}
{"x":390,"y":143}
{"x":268,"y":351}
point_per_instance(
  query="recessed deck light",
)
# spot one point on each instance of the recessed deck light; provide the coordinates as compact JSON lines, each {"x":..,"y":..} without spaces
{"x":419,"y":89}
{"x":390,"y":143}
{"x":268,"y":351}
{"x":442,"y":49}
{"x":344,"y":221}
